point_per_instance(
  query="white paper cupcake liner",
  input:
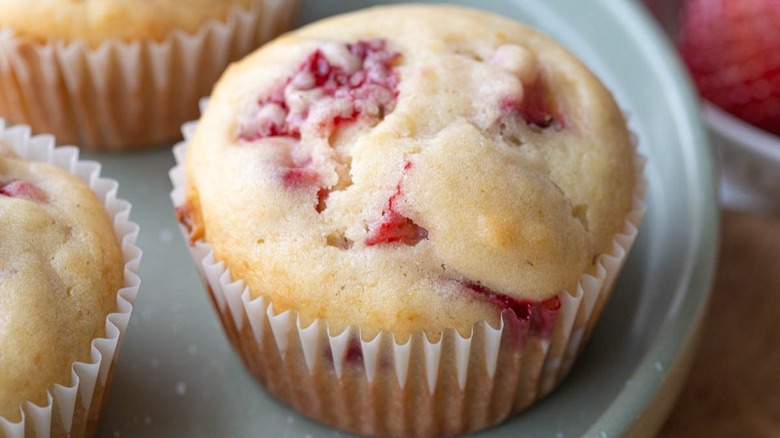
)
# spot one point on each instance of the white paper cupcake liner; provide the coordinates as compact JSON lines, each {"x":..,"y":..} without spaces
{"x":73,"y":409}
{"x":123,"y":95}
{"x":379,"y":386}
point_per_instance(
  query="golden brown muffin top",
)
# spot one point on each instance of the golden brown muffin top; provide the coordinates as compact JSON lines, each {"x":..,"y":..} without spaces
{"x":96,"y":21}
{"x":60,"y":270}
{"x":410,"y":168}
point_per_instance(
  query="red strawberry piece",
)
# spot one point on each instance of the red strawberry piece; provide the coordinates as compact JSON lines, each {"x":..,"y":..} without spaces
{"x":732,"y":49}
{"x":299,"y":177}
{"x":322,"y":199}
{"x":394,"y":227}
{"x":369,"y":91}
{"x":303,"y":177}
{"x":543,"y":315}
{"x":354,"y":353}
{"x":23,"y":190}
{"x":521,"y":309}
{"x":538,"y":107}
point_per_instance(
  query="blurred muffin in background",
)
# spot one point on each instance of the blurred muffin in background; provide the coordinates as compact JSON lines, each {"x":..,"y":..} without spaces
{"x":119,"y":74}
{"x":68,"y":264}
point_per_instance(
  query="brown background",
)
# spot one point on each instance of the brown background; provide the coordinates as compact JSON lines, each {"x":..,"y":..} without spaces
{"x":734,"y":386}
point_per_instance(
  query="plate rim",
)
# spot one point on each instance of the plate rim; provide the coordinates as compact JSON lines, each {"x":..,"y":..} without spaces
{"x":620,"y":415}
{"x":629,"y":408}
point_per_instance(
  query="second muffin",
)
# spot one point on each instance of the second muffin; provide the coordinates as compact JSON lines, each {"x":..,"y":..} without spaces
{"x":68,"y":279}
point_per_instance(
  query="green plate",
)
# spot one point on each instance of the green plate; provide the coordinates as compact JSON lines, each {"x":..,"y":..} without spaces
{"x":177,"y":375}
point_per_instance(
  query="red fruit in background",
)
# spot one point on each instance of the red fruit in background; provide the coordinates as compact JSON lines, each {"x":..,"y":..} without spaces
{"x":732,"y":49}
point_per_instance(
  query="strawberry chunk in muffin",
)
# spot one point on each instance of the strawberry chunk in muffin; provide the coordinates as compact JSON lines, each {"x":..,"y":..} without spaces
{"x":336,"y":84}
{"x":23,"y":190}
{"x":393,"y":226}
{"x":537,"y":105}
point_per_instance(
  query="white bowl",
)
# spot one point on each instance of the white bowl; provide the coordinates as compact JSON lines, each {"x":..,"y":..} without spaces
{"x":749,"y":156}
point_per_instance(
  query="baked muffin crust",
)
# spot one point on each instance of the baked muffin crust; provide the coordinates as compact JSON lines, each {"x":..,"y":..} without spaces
{"x":60,"y":270}
{"x":96,"y":21}
{"x":500,"y":167}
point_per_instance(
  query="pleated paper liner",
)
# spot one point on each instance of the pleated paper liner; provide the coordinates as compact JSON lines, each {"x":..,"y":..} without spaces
{"x":127,"y":95}
{"x":73,"y":407}
{"x":423,"y":387}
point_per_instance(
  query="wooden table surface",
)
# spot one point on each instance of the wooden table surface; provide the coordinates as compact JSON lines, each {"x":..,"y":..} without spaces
{"x":734,"y":385}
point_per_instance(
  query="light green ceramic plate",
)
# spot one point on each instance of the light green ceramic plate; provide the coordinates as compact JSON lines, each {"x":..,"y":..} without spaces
{"x":178,"y":377}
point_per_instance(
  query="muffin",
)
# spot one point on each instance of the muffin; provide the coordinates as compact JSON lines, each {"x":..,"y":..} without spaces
{"x":115,"y":74}
{"x":409,"y":217}
{"x":67,"y":281}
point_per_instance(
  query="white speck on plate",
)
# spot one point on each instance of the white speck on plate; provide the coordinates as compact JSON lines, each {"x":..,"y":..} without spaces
{"x":166,"y":236}
{"x":603,"y":434}
{"x":192,"y":349}
{"x":658,"y":366}
{"x":290,"y":420}
{"x":559,"y":435}
{"x":181,"y":389}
